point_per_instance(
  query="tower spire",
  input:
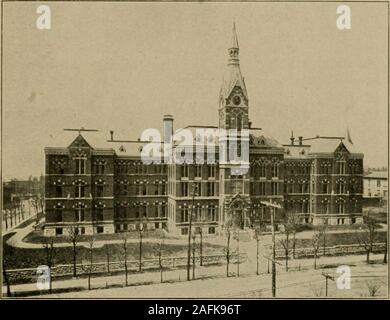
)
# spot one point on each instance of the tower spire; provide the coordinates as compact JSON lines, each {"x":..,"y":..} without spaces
{"x":234,"y":37}
{"x":234,"y":49}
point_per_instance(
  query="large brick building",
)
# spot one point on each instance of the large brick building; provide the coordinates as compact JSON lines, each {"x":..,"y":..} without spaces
{"x":102,"y":185}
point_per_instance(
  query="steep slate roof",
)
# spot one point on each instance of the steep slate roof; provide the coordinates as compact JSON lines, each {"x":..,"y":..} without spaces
{"x":64,"y":139}
{"x":258,"y":138}
{"x":296,"y":151}
{"x":329,"y":145}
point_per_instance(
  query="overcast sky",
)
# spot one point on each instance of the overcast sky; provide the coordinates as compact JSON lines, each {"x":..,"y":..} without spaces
{"x":122,"y":66}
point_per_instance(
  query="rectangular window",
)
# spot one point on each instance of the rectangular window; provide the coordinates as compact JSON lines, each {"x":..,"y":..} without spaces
{"x":80,"y":165}
{"x":275,"y":189}
{"x":212,"y":230}
{"x":184,"y":171}
{"x":58,"y":231}
{"x":211,"y":171}
{"x":210,"y":189}
{"x":184,"y":215}
{"x":325,"y":188}
{"x":275,"y":171}
{"x":262,"y":170}
{"x":198,"y":171}
{"x":184,"y":189}
{"x":99,"y":229}
{"x":58,"y":215}
{"x":58,"y":191}
{"x":125,"y":190}
{"x":80,"y":214}
{"x":99,"y":214}
{"x":184,"y":231}
{"x":99,"y":190}
{"x":341,"y":167}
{"x":262,"y":188}
{"x":79,"y":191}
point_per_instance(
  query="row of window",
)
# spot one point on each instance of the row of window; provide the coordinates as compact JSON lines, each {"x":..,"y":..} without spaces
{"x":197,"y":214}
{"x":198,"y":170}
{"x":209,"y":191}
{"x":264,"y":188}
{"x":100,"y":168}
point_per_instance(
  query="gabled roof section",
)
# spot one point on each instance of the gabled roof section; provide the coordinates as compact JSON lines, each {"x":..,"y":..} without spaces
{"x":66,"y":139}
{"x":80,"y":142}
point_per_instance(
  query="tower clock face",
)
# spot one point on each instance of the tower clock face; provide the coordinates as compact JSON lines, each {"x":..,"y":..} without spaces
{"x":236,"y":100}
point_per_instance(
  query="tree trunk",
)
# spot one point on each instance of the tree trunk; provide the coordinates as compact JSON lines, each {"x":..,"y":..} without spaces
{"x":126,"y":283}
{"x":108,"y":261}
{"x":315,"y":260}
{"x":294,"y":243}
{"x":74,"y":260}
{"x":6,"y":222}
{"x":385,"y":254}
{"x":257,"y":257}
{"x":201,"y":248}
{"x":228,"y":254}
{"x":193,"y":259}
{"x":6,"y":280}
{"x":368,"y":255}
{"x":286,"y":260}
{"x":140,"y":252}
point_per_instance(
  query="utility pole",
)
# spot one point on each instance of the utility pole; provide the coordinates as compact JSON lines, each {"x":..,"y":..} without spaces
{"x":189,"y":233}
{"x":327,"y":277}
{"x":273,"y":254}
{"x":273,"y":207}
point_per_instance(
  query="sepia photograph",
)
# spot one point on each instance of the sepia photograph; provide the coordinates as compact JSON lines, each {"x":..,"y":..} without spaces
{"x":194,"y":150}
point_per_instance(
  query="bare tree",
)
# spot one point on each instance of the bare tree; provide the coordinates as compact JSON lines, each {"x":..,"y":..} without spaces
{"x":293,"y":222}
{"x":159,"y":251}
{"x":108,"y":254}
{"x":316,"y":243}
{"x":373,"y":288}
{"x":228,"y":231}
{"x":258,"y":235}
{"x":141,"y":233}
{"x":385,"y":253}
{"x":193,"y":255}
{"x":200,"y":232}
{"x":323,"y":231}
{"x":124,"y":247}
{"x":8,"y":251}
{"x":50,"y":251}
{"x":73,"y":238}
{"x":285,"y":243}
{"x":367,"y":236}
{"x":237,"y":238}
{"x":90,"y":246}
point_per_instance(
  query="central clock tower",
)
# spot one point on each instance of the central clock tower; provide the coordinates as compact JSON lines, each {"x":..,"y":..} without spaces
{"x":233,"y":97}
{"x":234,"y":200}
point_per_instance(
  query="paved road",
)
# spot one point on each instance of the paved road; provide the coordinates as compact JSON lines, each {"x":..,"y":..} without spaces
{"x":304,"y":283}
{"x":213,"y":282}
